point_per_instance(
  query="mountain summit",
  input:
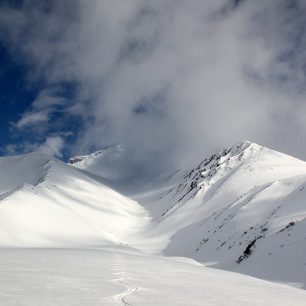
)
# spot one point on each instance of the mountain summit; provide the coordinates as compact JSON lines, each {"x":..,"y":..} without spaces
{"x":241,"y":209}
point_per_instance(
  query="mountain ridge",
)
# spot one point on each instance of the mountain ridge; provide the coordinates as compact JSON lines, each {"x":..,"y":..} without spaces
{"x":241,"y":209}
{"x":57,"y":205}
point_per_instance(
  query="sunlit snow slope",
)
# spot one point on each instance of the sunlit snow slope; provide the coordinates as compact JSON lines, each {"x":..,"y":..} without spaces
{"x":44,"y":202}
{"x":242,"y":209}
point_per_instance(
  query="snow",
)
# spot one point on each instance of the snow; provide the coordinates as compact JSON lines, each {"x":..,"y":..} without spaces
{"x":57,"y":205}
{"x":68,"y":239}
{"x":101,"y":163}
{"x":232,"y":211}
{"x":121,"y":276}
{"x":242,"y":198}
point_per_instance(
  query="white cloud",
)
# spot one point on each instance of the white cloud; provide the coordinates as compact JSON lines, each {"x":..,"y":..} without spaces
{"x":47,"y":102}
{"x":10,"y":149}
{"x":52,"y":146}
{"x":172,"y":80}
{"x":32,"y":118}
{"x":41,"y":108}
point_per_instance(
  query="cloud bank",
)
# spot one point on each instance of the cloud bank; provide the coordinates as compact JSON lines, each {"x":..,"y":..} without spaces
{"x":170,"y":80}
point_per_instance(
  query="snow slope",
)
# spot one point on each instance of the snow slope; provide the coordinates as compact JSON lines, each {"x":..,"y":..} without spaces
{"x":44,"y":202}
{"x":120,"y":276}
{"x":243,"y":209}
{"x":103,"y":163}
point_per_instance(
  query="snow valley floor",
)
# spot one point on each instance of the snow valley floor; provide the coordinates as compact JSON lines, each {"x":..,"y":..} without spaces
{"x":67,"y":237}
{"x":120,"y":276}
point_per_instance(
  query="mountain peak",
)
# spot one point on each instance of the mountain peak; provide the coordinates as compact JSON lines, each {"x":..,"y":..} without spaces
{"x":244,"y":154}
{"x":228,"y":153}
{"x":242,"y":145}
{"x":83,"y":161}
{"x":81,"y":158}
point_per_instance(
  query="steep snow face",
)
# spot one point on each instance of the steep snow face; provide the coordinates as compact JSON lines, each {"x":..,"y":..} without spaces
{"x":45,"y":202}
{"x":242,"y":209}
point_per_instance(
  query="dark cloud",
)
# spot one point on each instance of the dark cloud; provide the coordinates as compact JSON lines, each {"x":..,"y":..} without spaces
{"x":170,"y":80}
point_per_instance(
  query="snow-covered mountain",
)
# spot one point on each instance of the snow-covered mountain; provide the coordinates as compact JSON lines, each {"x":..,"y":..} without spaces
{"x":242,"y":209}
{"x":103,"y":163}
{"x":90,"y":161}
{"x":45,"y":202}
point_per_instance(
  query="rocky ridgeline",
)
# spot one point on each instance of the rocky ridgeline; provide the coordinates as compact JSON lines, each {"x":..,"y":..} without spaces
{"x":206,"y":174}
{"x":80,"y":158}
{"x":76,"y":159}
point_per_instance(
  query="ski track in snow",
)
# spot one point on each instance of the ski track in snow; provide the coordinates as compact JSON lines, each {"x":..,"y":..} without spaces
{"x":118,"y":266}
{"x":114,"y":276}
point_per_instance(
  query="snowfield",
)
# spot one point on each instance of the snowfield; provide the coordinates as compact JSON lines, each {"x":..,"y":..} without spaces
{"x":68,"y":239}
{"x":119,"y":276}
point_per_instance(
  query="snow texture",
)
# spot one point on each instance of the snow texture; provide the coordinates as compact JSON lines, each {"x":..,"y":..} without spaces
{"x":243,"y":209}
{"x":68,"y":239}
{"x":119,"y":276}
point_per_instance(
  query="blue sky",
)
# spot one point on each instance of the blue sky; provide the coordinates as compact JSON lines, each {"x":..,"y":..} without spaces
{"x":171,"y":81}
{"x":14,"y":95}
{"x":17,"y":94}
